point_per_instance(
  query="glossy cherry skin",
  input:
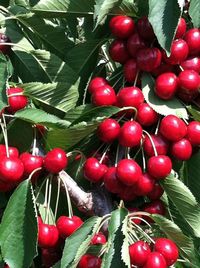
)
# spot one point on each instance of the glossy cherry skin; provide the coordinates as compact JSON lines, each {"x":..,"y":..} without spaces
{"x":104,"y":96}
{"x":168,"y":249}
{"x":121,"y":26}
{"x":179,"y":52}
{"x":89,"y":261}
{"x":139,"y":252}
{"x":96,"y":83}
{"x":159,"y":166}
{"x":173,"y":128}
{"x":93,"y":170}
{"x":160,"y":143}
{"x":13,"y":151}
{"x":130,"y":97}
{"x":131,"y":210}
{"x":135,"y":43}
{"x":111,"y":182}
{"x":155,"y":260}
{"x":118,"y":51}
{"x":155,"y":207}
{"x":156,"y":193}
{"x":145,"y":185}
{"x":146,"y":116}
{"x":99,"y":239}
{"x":145,"y":29}
{"x":11,"y":169}
{"x":193,"y":134}
{"x":16,"y":102}
{"x":192,"y":37}
{"x":128,"y":172}
{"x":181,"y":150}
{"x":189,"y":82}
{"x":55,"y":160}
{"x":108,"y":130}
{"x":130,"y":70}
{"x":148,"y":59}
{"x":166,"y":85}
{"x":3,"y":48}
{"x":67,"y":226}
{"x":191,"y":63}
{"x":31,"y":162}
{"x":130,"y":134}
{"x":47,"y":235}
{"x":181,"y":29}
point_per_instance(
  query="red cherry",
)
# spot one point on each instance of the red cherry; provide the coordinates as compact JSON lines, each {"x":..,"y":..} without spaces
{"x":181,"y":29}
{"x":108,"y":130}
{"x":189,"y":82}
{"x":131,"y":210}
{"x":155,"y":260}
{"x":159,"y":166}
{"x":39,"y":220}
{"x":130,"y":70}
{"x":55,"y":160}
{"x":49,"y":257}
{"x":168,"y":249}
{"x":156,"y":193}
{"x":179,"y":52}
{"x":163,"y":68}
{"x":145,"y":185}
{"x":96,"y":83}
{"x":182,"y":150}
{"x":93,"y":170}
{"x":192,"y":63}
{"x":134,"y":43}
{"x":111,"y":181}
{"x":173,"y":128}
{"x":67,"y":226}
{"x":98,"y":239}
{"x":160,"y":144}
{"x":128,"y":171}
{"x":11,"y":169}
{"x":146,"y":116}
{"x":192,"y":37}
{"x":145,"y":29}
{"x":6,"y":187}
{"x":130,"y":134}
{"x":118,"y":51}
{"x":104,"y":96}
{"x":4,"y":48}
{"x":155,"y":207}
{"x":166,"y":85}
{"x":89,"y":261}
{"x":16,"y":102}
{"x":130,"y":97}
{"x":148,"y":59}
{"x":139,"y":252}
{"x":193,"y":133}
{"x":47,"y":235}
{"x":127,"y":193}
{"x":13,"y":151}
{"x":121,"y":26}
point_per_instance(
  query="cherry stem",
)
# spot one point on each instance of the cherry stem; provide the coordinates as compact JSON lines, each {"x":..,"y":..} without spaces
{"x":57,"y":198}
{"x":117,"y":81}
{"x":157,"y":127}
{"x":104,"y":153}
{"x":107,"y":58}
{"x":69,"y":204}
{"x":185,"y":121}
{"x":16,"y":45}
{"x":143,"y":158}
{"x":102,"y":251}
{"x":34,"y":141}
{"x":141,"y":219}
{"x":40,"y":188}
{"x":142,"y":232}
{"x":98,"y":149}
{"x":131,"y":108}
{"x":152,"y":143}
{"x":128,"y":152}
{"x":133,"y":234}
{"x":5,"y":135}
{"x":136,"y":78}
{"x":46,"y":198}
{"x":181,"y":68}
{"x":103,"y":221}
{"x":15,"y":94}
{"x":117,"y":155}
{"x":5,"y":10}
{"x":49,"y":201}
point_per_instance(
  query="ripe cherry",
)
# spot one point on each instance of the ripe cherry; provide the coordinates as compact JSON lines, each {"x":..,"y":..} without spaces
{"x":98,"y":239}
{"x":108,"y":130}
{"x":159,"y":142}
{"x":16,"y":102}
{"x":155,"y":207}
{"x":138,"y":220}
{"x":155,"y":260}
{"x":11,"y":169}
{"x":47,"y":235}
{"x":89,"y":261}
{"x":128,"y":171}
{"x":67,"y":226}
{"x":13,"y":151}
{"x":189,"y":82}
{"x":168,"y":249}
{"x":134,"y":43}
{"x":96,"y":83}
{"x":193,"y":133}
{"x":179,"y":52}
{"x":93,"y":170}
{"x":192,"y":37}
{"x":173,"y":128}
{"x":182,"y":150}
{"x":145,"y":185}
{"x":104,"y":96}
{"x":156,"y":193}
{"x":111,"y":181}
{"x":4,"y":48}
{"x":130,"y":70}
{"x":166,"y":85}
{"x":181,"y":29}
{"x":148,"y":59}
{"x":163,"y":68}
{"x":49,"y":257}
{"x":130,"y":96}
{"x":139,"y":252}
{"x":146,"y":116}
{"x":130,"y":134}
{"x":159,"y":166}
{"x":121,"y":26}
{"x":127,"y":193}
{"x":191,"y":63}
{"x":55,"y":160}
{"x":145,"y":29}
{"x":118,"y":51}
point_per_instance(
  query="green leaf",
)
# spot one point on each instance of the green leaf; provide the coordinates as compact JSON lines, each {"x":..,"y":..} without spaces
{"x":78,"y":243}
{"x":18,"y":230}
{"x":162,"y":107}
{"x":164,"y":16}
{"x":195,"y":113}
{"x":4,"y":74}
{"x":194,"y":12}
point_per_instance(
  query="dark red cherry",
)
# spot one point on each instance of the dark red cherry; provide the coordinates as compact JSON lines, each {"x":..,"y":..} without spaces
{"x":47,"y":235}
{"x":111,"y":181}
{"x":89,"y":261}
{"x":13,"y":151}
{"x":160,"y":144}
{"x":179,"y":52}
{"x":128,"y":171}
{"x":145,"y":29}
{"x":49,"y":257}
{"x":134,"y":43}
{"x":193,"y":133}
{"x":159,"y":166}
{"x":192,"y":63}
{"x":139,"y":252}
{"x":127,"y":193}
{"x":16,"y":99}
{"x":155,"y":207}
{"x":121,"y":26}
{"x":173,"y":128}
{"x":155,"y":260}
{"x":145,"y":185}
{"x":130,"y":97}
{"x":4,"y":48}
{"x":96,"y":83}
{"x":130,"y":134}
{"x":148,"y":59}
{"x":156,"y":193}
{"x":166,"y":85}
{"x":189,"y":82}
{"x":55,"y":160}
{"x":6,"y":187}
{"x":118,"y":51}
{"x":99,"y":239}
{"x":181,"y":29}
{"x":182,"y":150}
{"x":104,"y":96}
{"x":108,"y":130}
{"x":192,"y":37}
{"x":168,"y":249}
{"x":130,"y":70}
{"x":67,"y":226}
{"x":163,"y":68}
{"x":146,"y":116}
{"x":11,"y":169}
{"x":93,"y":170}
